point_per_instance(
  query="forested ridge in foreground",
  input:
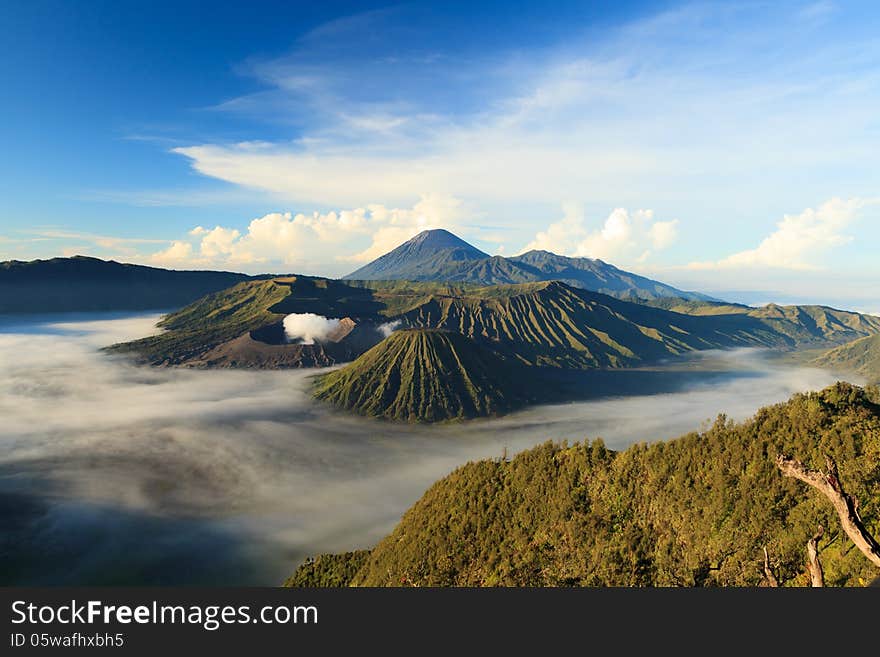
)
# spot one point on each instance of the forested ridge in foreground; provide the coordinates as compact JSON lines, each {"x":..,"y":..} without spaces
{"x":695,"y":511}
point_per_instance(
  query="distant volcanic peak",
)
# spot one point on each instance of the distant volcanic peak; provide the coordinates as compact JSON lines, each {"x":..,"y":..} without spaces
{"x":440,"y":256}
{"x":438,"y":238}
{"x":424,"y":255}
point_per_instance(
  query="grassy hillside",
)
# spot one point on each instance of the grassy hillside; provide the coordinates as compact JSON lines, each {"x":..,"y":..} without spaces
{"x":328,"y":570}
{"x":804,"y":324}
{"x":85,"y":284}
{"x":224,"y":316}
{"x":542,"y":324}
{"x":553,"y":324}
{"x":208,"y":322}
{"x":695,"y":511}
{"x":426,"y":375}
{"x":861,"y":357}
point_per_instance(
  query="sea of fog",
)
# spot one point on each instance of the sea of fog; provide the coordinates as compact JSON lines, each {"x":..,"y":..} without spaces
{"x":116,"y":474}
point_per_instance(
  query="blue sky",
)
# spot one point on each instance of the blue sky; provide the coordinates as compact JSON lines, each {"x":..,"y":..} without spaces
{"x":726,"y":146}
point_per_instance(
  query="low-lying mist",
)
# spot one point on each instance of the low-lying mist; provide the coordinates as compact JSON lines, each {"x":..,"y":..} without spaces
{"x":112,"y":473}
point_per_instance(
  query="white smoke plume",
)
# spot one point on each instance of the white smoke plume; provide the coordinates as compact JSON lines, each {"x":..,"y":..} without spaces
{"x":305,"y":328}
{"x":388,"y":328}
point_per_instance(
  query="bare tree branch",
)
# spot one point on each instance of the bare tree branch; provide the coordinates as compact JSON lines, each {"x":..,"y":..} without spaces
{"x":817,"y":577}
{"x":768,"y":572}
{"x":847,"y":509}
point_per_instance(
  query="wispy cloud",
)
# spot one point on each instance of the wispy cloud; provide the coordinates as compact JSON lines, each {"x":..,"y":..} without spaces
{"x":101,"y":240}
{"x":71,"y":242}
{"x":665,"y":108}
{"x":169,"y":197}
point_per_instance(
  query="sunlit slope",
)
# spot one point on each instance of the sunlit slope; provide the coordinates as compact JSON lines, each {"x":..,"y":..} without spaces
{"x":208,"y":322}
{"x":817,"y":323}
{"x":689,"y":512}
{"x":426,"y":375}
{"x":224,"y":316}
{"x":552,"y":324}
{"x":861,"y":357}
{"x":543,"y":323}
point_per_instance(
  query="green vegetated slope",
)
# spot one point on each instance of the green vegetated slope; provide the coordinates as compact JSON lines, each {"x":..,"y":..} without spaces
{"x":689,"y":512}
{"x":223,"y":316}
{"x":816,"y":323}
{"x":802,"y":324}
{"x":426,"y":375}
{"x":543,"y":323}
{"x":211,"y":320}
{"x":86,"y":284}
{"x":328,"y":570}
{"x":860,"y":356}
{"x":693,"y":307}
{"x":553,"y":324}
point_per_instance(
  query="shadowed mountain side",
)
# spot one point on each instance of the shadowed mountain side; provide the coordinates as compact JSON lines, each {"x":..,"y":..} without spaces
{"x":695,"y":511}
{"x":861,"y":357}
{"x":81,"y":283}
{"x":427,"y":376}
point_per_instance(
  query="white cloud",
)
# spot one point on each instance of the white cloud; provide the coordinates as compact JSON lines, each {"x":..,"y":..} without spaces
{"x":623,"y":237}
{"x":284,"y":238}
{"x":798,"y":239}
{"x":177,"y":254}
{"x":215,"y":242}
{"x":664,"y":233}
{"x":560,"y":237}
{"x":305,"y":328}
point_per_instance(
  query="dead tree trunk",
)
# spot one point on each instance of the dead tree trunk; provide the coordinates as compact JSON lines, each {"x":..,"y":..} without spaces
{"x":847,"y":509}
{"x":772,"y":582}
{"x":817,"y":577}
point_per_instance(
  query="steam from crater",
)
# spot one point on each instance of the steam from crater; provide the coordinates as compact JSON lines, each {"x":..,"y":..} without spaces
{"x":388,"y":328}
{"x":305,"y":328}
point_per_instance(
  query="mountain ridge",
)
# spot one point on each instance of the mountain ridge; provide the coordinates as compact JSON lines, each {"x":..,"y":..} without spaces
{"x":84,"y":283}
{"x":545,"y":323}
{"x":447,"y":258}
